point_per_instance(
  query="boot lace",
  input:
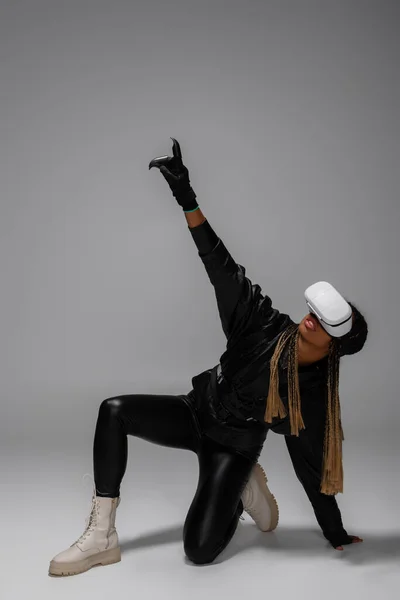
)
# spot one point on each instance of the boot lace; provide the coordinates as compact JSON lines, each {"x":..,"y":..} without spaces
{"x":91,"y":520}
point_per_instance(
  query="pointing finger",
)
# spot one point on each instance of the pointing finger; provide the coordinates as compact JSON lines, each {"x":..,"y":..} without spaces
{"x":176,"y":149}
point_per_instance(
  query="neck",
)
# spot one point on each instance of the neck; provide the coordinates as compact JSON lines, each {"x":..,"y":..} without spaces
{"x":309,"y":354}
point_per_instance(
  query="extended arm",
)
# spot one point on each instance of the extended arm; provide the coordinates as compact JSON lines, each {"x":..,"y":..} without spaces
{"x":238,"y":299}
{"x":306,"y":453}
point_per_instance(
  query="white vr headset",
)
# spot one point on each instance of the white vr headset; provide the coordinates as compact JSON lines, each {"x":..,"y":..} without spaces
{"x":332,"y":311}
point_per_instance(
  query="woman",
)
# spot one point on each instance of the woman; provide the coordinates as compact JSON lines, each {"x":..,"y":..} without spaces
{"x":275,"y":374}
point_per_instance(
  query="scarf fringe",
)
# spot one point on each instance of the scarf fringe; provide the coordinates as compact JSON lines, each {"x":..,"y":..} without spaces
{"x":332,"y":467}
{"x":332,"y":470}
{"x":332,"y":479}
{"x":275,"y":406}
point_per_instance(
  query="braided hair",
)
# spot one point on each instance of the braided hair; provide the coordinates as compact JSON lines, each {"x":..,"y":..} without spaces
{"x":351,"y":343}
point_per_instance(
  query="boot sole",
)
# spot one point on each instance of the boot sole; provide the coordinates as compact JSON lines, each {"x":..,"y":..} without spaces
{"x":273,"y":505}
{"x":108,"y":557}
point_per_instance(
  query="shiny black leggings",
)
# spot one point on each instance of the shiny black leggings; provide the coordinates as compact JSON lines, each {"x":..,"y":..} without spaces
{"x":168,"y":421}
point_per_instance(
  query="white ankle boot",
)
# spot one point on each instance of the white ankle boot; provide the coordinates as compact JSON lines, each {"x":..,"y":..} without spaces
{"x":98,"y":544}
{"x":258,"y":501}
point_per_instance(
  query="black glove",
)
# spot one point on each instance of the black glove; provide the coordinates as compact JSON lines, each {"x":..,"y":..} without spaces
{"x":339,"y":538}
{"x":177,"y":176}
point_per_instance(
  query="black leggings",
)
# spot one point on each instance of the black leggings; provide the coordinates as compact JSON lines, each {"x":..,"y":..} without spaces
{"x":168,"y":421}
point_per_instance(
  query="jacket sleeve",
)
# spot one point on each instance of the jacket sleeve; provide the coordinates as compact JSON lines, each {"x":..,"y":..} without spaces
{"x":306,"y":453}
{"x":238,"y":299}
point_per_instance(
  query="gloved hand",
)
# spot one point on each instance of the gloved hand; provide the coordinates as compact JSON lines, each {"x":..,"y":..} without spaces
{"x":177,"y":176}
{"x":342,"y":538}
{"x":351,"y":539}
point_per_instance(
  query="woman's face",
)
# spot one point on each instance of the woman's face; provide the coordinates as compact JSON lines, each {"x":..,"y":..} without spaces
{"x":312,"y":332}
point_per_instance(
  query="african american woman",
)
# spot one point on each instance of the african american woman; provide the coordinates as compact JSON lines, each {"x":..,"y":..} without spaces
{"x":273,"y":375}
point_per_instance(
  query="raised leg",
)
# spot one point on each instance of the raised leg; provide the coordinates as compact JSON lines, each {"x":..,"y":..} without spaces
{"x":161,"y":419}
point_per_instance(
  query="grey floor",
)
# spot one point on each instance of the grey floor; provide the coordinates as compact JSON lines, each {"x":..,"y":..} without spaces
{"x":46,"y":499}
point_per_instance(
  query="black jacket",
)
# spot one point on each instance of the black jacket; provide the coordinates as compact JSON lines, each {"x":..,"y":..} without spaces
{"x":252,"y":327}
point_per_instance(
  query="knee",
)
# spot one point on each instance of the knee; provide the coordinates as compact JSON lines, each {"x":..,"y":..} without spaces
{"x":200,"y":552}
{"x":110,"y":406}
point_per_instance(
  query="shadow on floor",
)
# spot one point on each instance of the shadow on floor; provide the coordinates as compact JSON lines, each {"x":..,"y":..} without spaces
{"x":155,"y":538}
{"x":287,"y":541}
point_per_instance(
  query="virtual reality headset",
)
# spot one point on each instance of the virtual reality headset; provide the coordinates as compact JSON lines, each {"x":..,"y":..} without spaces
{"x":333,"y":312}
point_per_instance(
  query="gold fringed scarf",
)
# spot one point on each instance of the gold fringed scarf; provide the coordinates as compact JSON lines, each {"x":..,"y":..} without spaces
{"x":332,"y":469}
{"x":332,"y":477}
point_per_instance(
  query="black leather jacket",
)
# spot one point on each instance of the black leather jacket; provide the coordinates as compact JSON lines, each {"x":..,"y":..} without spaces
{"x":237,"y":397}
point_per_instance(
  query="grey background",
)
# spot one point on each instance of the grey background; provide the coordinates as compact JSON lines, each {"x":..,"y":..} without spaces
{"x":288,"y":117}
